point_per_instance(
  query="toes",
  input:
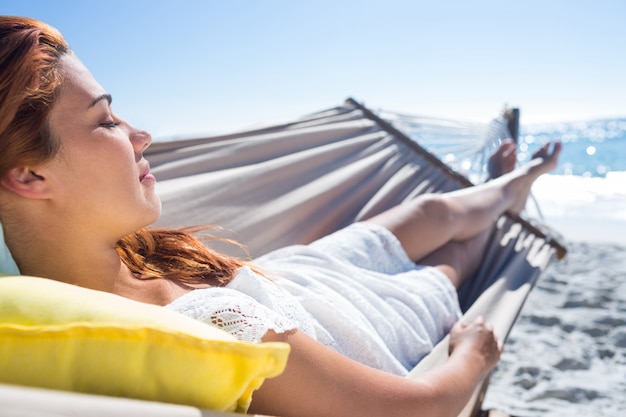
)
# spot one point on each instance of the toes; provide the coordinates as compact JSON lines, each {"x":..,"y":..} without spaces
{"x":544,"y":151}
{"x":503,"y":159}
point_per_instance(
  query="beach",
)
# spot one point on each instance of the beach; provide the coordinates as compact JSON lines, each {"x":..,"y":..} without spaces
{"x":566,"y":355}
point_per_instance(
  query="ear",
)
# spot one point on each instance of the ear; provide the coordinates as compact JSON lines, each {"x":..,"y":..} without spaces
{"x":25,"y":182}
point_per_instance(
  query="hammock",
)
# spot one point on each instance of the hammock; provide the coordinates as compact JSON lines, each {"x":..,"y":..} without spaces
{"x":296,"y":182}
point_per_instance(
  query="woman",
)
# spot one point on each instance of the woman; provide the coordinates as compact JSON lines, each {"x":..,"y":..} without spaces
{"x":76,"y":195}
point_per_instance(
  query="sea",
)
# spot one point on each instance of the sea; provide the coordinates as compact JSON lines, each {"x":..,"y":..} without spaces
{"x":585,"y":196}
{"x":591,"y":149}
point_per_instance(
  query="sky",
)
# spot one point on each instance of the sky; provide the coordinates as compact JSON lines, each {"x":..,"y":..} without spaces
{"x":189,"y":67}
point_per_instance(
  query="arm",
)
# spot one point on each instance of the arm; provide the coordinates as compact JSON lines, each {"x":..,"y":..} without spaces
{"x":320,"y":382}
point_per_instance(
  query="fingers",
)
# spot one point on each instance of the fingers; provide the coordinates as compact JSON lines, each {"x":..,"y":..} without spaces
{"x":480,"y":323}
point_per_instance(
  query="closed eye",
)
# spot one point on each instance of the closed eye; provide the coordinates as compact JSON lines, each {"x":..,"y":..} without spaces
{"x":109,"y":125}
{"x":109,"y":121}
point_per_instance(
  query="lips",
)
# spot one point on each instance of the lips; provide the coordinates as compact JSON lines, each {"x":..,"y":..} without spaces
{"x":145,"y":174}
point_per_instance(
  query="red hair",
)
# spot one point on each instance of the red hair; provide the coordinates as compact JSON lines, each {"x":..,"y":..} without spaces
{"x":30,"y":79}
{"x":176,"y":255}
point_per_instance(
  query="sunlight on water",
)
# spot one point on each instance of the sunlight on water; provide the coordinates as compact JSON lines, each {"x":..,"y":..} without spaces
{"x":586,"y":195}
{"x":591,"y":149}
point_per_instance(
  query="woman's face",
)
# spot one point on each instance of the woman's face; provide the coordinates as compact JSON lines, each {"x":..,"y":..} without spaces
{"x":99,"y":177}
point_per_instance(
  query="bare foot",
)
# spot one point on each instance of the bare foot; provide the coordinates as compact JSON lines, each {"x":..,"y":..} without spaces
{"x":503,"y":160}
{"x":521,"y":180}
{"x":544,"y":153}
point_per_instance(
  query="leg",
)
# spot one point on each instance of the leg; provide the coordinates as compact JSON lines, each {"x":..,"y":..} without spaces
{"x":458,"y":260}
{"x":430,"y":221}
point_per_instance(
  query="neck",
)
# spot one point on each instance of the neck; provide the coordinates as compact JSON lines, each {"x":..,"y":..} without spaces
{"x":75,"y":258}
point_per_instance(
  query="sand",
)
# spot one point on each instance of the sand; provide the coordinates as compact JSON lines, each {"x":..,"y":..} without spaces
{"x":566,"y":356}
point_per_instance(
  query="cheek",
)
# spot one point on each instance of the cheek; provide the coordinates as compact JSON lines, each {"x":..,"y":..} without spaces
{"x":100,"y":162}
{"x":115,"y":159}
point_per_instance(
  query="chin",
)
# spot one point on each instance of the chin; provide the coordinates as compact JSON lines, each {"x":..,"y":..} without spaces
{"x":155,"y":211}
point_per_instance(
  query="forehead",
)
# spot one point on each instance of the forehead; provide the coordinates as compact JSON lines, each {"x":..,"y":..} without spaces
{"x":72,"y":107}
{"x":79,"y":87}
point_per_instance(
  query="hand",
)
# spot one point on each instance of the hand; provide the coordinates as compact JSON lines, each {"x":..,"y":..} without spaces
{"x":476,"y":339}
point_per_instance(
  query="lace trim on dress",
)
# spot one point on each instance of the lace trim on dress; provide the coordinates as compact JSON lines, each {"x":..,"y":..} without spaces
{"x":265,"y":291}
{"x":232,"y":311}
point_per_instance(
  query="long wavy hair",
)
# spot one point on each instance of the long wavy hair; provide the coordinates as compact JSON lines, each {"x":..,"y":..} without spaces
{"x":30,"y":79}
{"x":177,"y":255}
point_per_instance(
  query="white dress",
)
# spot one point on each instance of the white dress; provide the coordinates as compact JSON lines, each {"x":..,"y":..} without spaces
{"x":355,"y":291}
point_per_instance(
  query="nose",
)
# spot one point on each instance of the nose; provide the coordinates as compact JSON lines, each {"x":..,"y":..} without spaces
{"x":140,"y":140}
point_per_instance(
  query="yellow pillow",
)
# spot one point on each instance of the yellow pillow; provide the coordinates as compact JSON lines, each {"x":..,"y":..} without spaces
{"x":60,"y":336}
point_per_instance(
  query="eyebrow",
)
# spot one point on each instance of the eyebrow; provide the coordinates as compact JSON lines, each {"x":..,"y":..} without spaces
{"x":101,"y":97}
